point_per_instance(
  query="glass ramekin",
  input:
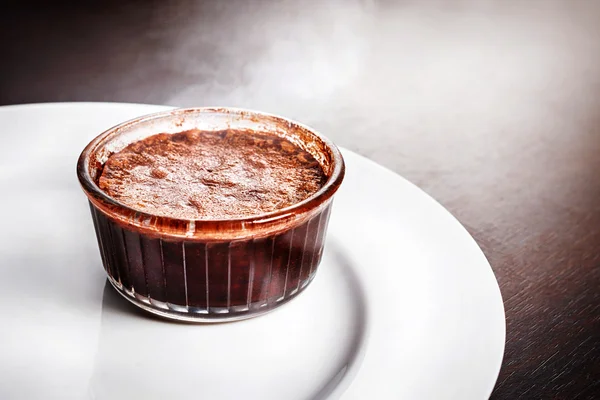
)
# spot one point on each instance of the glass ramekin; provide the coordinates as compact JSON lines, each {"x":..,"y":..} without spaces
{"x":210,"y":270}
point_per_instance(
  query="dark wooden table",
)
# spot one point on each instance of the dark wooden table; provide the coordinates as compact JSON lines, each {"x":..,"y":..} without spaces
{"x":492,"y":107}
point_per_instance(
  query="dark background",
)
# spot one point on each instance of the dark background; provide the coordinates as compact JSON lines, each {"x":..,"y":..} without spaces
{"x":492,"y":107}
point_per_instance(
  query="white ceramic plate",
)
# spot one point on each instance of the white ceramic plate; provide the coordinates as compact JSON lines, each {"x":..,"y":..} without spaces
{"x":405,"y":305}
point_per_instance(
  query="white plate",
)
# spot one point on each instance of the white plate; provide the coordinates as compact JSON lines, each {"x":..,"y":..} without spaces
{"x":405,"y":304}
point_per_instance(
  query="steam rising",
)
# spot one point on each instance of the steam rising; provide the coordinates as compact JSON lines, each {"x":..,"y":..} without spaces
{"x":271,"y":59}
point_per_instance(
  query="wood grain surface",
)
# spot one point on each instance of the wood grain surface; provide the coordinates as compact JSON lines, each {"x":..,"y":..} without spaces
{"x":492,"y":107}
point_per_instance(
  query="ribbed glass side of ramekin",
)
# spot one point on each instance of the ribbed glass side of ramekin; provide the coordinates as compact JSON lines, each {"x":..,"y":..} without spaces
{"x":210,"y":270}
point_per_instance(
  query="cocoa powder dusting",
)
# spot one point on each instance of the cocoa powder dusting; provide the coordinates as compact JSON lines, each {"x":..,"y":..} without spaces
{"x":211,"y":175}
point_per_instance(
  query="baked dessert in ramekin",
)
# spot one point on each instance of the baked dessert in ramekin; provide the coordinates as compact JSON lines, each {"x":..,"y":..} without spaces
{"x":210,"y":214}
